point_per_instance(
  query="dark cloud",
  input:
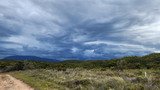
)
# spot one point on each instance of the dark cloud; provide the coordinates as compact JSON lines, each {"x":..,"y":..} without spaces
{"x":81,"y":29}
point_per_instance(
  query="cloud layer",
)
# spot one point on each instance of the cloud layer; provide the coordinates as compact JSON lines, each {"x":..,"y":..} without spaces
{"x":79,"y":29}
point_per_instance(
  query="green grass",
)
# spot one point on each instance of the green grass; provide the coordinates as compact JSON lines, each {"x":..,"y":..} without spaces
{"x":94,"y":79}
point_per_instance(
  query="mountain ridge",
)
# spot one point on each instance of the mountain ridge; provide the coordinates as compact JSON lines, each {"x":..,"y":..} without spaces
{"x":34,"y":58}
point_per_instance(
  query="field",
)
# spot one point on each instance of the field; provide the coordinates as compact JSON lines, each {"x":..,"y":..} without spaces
{"x":93,"y":79}
{"x":127,"y":73}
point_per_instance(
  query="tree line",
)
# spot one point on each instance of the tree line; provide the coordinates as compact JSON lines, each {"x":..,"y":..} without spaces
{"x":151,"y":61}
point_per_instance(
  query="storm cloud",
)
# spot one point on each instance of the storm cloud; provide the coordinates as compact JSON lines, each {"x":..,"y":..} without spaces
{"x":79,"y":29}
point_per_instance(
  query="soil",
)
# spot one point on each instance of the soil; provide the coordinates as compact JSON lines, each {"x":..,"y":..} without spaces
{"x":7,"y":82}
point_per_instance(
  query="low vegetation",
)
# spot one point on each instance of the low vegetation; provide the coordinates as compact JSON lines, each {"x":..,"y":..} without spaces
{"x":151,"y":61}
{"x":94,"y":79}
{"x":128,"y":73}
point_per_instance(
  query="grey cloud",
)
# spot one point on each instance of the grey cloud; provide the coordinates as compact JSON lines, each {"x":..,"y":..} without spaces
{"x":52,"y":28}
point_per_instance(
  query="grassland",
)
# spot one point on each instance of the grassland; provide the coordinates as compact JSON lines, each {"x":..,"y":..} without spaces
{"x":127,"y":73}
{"x":93,"y":79}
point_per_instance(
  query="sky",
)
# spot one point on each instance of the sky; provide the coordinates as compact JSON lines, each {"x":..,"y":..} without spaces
{"x":79,"y":29}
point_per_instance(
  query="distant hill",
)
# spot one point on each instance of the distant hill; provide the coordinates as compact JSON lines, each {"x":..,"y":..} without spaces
{"x":33,"y":58}
{"x":12,"y":63}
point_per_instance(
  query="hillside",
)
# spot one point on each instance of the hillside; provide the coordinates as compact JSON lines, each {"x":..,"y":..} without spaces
{"x":127,"y":73}
{"x":151,"y":61}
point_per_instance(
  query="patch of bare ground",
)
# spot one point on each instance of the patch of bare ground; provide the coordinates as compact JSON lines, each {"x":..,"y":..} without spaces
{"x":7,"y":82}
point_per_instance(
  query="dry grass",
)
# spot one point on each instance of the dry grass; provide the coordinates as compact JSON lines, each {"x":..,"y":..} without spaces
{"x":81,"y":79}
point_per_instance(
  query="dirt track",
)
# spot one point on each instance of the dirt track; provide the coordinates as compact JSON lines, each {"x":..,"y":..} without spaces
{"x":8,"y":82}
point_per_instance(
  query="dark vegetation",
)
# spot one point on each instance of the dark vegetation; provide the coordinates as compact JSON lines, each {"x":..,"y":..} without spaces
{"x":151,"y":61}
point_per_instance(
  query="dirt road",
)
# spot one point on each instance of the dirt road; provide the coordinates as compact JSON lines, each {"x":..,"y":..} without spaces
{"x":8,"y":82}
